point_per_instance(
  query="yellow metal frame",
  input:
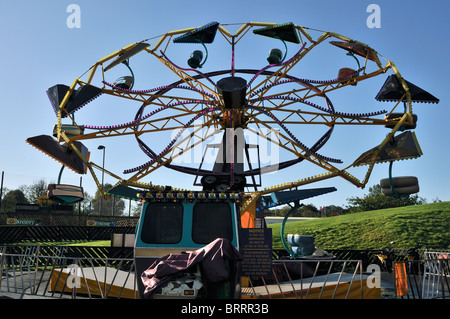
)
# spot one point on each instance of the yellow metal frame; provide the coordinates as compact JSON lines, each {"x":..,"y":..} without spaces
{"x":217,"y":119}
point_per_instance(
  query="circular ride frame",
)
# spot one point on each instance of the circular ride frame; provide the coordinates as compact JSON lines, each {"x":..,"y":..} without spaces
{"x":211,"y":108}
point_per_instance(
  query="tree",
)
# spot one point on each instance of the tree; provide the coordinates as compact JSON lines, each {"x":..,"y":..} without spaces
{"x":3,"y":194}
{"x":136,"y":210}
{"x":304,"y":210}
{"x":281,"y":211}
{"x":308,"y":210}
{"x":85,"y":206}
{"x":12,"y":198}
{"x":110,"y":206}
{"x":34,"y":191}
{"x":376,"y":200}
{"x":332,"y":210}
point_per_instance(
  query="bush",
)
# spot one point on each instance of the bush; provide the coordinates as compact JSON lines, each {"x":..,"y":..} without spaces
{"x":376,"y":200}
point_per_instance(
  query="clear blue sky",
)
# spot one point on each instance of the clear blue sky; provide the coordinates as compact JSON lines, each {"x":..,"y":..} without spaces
{"x":39,"y":51}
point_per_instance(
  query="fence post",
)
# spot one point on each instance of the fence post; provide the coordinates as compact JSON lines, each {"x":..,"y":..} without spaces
{"x":400,"y":277}
{"x":2,"y":262}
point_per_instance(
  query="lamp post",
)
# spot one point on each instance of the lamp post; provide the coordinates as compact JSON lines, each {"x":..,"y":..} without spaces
{"x":101,"y":147}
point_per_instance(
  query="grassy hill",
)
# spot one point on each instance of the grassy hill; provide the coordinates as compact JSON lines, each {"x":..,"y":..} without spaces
{"x":408,"y":226}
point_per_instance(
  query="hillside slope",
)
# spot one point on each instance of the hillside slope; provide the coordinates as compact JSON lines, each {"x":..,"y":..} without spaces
{"x":408,"y":226}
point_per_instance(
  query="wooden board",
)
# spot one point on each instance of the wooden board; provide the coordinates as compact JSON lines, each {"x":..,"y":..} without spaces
{"x":335,"y":286}
{"x":92,"y":281}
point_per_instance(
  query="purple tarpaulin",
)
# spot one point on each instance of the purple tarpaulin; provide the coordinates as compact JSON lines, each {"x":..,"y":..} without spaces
{"x":211,"y":259}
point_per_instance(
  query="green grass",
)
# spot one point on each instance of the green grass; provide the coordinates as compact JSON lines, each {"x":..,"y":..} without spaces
{"x":97,"y":243}
{"x":408,"y":226}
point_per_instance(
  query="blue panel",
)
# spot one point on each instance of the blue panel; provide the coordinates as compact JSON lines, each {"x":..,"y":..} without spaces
{"x":124,"y":191}
{"x":285,"y":197}
{"x":186,"y":238}
{"x":204,"y":34}
{"x":285,"y":32}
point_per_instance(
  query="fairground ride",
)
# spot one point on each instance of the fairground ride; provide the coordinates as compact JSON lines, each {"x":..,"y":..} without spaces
{"x":276,"y":102}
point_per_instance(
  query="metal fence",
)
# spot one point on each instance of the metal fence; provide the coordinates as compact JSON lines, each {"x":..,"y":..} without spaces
{"x":53,"y":272}
{"x":54,"y":219}
{"x":17,"y":234}
{"x":314,"y":279}
{"x":33,"y":275}
{"x":423,"y":279}
{"x":436,"y":279}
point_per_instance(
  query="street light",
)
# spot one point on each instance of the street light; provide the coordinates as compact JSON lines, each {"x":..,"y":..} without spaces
{"x":101,"y":147}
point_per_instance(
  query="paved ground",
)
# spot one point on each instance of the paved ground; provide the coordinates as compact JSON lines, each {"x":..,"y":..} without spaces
{"x":387,"y":286}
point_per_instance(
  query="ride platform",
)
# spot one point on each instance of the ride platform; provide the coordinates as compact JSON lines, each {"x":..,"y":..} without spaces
{"x":95,"y":282}
{"x":113,"y":283}
{"x":332,"y":286}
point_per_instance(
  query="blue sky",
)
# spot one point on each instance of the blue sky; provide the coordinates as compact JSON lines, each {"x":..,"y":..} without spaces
{"x":39,"y":50}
